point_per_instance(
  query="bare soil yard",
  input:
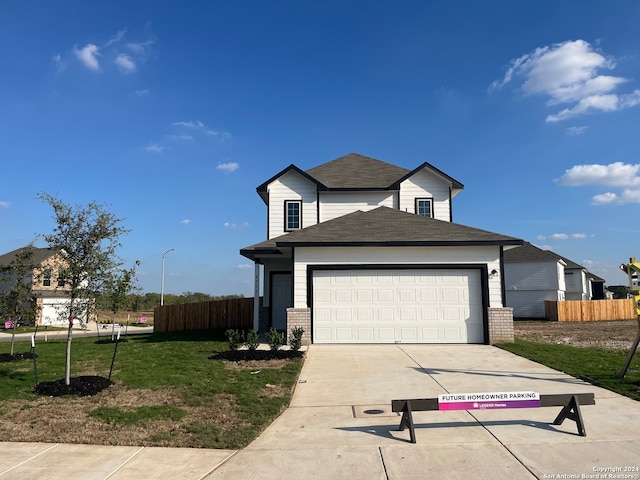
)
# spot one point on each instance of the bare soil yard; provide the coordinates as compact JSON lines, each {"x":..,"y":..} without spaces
{"x":610,"y":334}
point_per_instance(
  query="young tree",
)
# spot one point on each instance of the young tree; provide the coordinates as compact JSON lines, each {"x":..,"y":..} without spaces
{"x":87,"y":238}
{"x":117,"y":289}
{"x":18,"y":301}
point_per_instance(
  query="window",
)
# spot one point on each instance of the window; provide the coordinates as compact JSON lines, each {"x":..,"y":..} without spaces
{"x":292,"y":220}
{"x":62,"y":275}
{"x":46,"y":277}
{"x":423,"y":207}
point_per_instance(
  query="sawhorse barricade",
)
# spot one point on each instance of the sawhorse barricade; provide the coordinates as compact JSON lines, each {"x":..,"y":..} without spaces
{"x":570,"y":404}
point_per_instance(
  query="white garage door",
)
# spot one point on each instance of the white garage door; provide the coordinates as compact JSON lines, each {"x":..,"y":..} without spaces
{"x":390,"y":306}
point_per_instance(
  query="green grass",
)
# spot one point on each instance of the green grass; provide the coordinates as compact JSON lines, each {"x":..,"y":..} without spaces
{"x":174,"y":364}
{"x":140,"y":415}
{"x":598,"y":366}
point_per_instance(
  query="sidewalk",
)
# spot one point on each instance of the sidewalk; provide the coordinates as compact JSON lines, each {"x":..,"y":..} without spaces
{"x":329,"y":430}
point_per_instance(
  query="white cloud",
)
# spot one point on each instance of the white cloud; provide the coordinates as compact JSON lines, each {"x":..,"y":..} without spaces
{"x":615,"y":174}
{"x":88,"y":55}
{"x":245,"y":267}
{"x":126,"y":57}
{"x":154,"y":147}
{"x":117,"y":38}
{"x":58,"y":62}
{"x":627,"y":196}
{"x":190,"y":124}
{"x":228,"y":167}
{"x":140,"y":93}
{"x":568,"y":73}
{"x":561,"y":236}
{"x":125,"y":63}
{"x":186,"y":221}
{"x":201,"y":127}
{"x":4,"y":204}
{"x":234,"y":226}
{"x":181,"y":137}
{"x":573,"y":131}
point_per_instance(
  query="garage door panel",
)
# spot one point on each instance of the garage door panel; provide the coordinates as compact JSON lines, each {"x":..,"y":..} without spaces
{"x":396,"y":305}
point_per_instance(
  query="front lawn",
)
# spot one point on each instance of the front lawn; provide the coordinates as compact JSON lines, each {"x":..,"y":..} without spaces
{"x":598,"y":366}
{"x":167,"y":392}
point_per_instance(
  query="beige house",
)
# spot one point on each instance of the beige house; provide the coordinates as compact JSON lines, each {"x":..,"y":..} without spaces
{"x":48,"y":284}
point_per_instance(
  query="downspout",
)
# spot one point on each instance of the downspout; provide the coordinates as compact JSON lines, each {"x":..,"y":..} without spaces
{"x":503,"y":289}
{"x":450,"y":206}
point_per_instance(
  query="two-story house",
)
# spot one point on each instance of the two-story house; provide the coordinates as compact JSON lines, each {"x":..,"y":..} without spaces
{"x":362,"y":251}
{"x":533,"y":275}
{"x":48,"y":284}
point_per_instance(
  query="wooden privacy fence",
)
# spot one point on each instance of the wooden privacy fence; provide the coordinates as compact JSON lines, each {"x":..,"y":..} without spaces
{"x":589,"y":310}
{"x":236,"y":313}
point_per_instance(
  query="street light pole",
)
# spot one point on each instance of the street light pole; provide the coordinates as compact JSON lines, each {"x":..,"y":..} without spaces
{"x":162,"y":288}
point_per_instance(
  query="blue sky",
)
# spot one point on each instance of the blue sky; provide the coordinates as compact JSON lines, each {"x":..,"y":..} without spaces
{"x":172,"y":113}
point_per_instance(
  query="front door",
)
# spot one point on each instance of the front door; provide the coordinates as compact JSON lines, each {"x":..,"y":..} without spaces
{"x":280,"y":299}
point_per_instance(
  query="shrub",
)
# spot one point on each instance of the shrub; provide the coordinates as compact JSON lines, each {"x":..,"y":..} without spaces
{"x":252,"y":340}
{"x":234,"y":337}
{"x":275,"y":339}
{"x":295,"y":340}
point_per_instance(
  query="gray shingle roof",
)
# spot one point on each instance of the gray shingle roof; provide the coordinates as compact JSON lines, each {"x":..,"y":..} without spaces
{"x":529,"y":253}
{"x":39,"y":255}
{"x":382,"y":226}
{"x":355,"y":171}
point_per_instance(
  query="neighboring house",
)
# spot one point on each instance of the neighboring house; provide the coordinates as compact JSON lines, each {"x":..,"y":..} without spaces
{"x":48,"y":281}
{"x":533,"y":275}
{"x":362,"y":251}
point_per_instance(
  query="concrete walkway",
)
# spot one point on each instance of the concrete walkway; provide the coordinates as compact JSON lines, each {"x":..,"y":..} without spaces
{"x":328,"y":433}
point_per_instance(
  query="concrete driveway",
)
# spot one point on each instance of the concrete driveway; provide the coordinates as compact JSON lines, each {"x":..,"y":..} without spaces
{"x":327,"y":432}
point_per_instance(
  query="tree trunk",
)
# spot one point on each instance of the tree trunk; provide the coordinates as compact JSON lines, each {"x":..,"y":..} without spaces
{"x":67,"y":369}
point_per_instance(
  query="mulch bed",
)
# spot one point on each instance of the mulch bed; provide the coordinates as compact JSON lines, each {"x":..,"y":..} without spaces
{"x":83,"y":386}
{"x":7,"y":357}
{"x":108,"y":340}
{"x":249,"y":355}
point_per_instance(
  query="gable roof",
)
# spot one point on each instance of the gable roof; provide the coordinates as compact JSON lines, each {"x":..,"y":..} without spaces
{"x":357,"y":172}
{"x":39,"y":255}
{"x":456,"y":186}
{"x":262,"y":188}
{"x":381,"y":226}
{"x":530,"y":253}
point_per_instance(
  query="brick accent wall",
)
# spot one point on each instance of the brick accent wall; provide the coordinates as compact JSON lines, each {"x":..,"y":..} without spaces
{"x":299,"y":317}
{"x":500,"y":325}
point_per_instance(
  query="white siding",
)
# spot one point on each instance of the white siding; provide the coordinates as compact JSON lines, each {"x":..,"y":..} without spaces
{"x":337,"y":204}
{"x":393,"y":255}
{"x":530,"y":303}
{"x":534,"y":276}
{"x":529,"y":284}
{"x":291,"y":186}
{"x":578,"y":287}
{"x":425,"y":184}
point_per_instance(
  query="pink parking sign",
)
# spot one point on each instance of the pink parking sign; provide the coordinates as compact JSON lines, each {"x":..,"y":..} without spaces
{"x":486,"y":401}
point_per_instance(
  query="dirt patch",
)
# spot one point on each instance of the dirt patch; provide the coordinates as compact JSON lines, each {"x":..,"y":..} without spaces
{"x":610,"y":334}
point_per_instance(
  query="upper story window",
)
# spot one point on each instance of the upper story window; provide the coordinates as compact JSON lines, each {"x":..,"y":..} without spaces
{"x":62,"y":276}
{"x":424,"y":207}
{"x":292,"y":218}
{"x":46,"y":277}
